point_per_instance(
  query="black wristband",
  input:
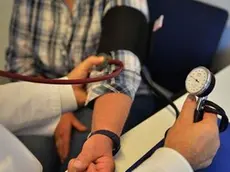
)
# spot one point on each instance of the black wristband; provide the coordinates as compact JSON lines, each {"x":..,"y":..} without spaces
{"x":114,"y":137}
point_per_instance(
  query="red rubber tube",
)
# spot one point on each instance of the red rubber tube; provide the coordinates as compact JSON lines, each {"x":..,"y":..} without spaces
{"x":115,"y":73}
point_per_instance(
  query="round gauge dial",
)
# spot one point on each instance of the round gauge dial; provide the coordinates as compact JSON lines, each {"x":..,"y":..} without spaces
{"x":198,"y":80}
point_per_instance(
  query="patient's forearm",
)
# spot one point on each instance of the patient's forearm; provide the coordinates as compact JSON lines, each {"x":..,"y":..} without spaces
{"x":110,"y":112}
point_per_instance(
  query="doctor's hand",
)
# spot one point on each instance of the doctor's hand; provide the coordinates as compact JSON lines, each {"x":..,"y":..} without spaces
{"x":96,"y":156}
{"x":80,"y":72}
{"x":197,"y":142}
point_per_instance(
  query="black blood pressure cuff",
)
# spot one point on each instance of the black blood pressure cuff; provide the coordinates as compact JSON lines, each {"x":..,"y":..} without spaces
{"x":125,"y":28}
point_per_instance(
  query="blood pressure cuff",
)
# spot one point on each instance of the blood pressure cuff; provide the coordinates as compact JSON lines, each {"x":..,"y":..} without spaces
{"x":124,"y":28}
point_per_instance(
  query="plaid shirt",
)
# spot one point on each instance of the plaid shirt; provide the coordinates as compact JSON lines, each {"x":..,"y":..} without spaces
{"x":47,"y":39}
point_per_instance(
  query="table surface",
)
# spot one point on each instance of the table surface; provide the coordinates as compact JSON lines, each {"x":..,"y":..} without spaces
{"x":143,"y":137}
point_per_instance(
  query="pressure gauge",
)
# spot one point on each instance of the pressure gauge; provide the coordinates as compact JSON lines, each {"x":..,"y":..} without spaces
{"x":200,"y":82}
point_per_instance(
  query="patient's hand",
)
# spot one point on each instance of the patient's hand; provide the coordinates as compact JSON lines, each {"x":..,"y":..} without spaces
{"x":63,"y":133}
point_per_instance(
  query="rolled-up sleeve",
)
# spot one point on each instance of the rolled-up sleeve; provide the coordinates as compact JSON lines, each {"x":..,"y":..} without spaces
{"x":127,"y":82}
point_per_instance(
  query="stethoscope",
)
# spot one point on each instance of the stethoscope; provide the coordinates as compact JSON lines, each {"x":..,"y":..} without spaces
{"x":200,"y":82}
{"x":108,"y":61}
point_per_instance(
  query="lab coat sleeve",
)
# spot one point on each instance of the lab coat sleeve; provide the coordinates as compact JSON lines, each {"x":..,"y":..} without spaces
{"x":165,"y":160}
{"x":25,"y":104}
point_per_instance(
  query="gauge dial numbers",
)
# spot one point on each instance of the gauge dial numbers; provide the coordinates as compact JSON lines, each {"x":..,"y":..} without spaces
{"x":199,"y":81}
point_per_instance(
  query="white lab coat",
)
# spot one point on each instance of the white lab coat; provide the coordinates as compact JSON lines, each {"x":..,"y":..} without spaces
{"x":29,"y":108}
